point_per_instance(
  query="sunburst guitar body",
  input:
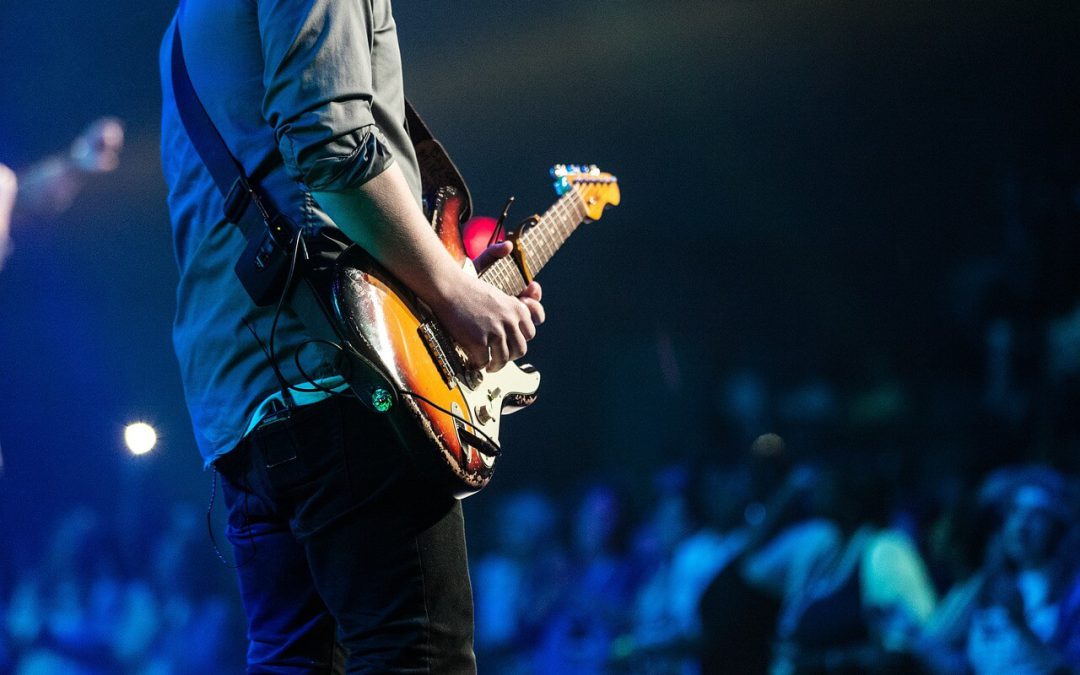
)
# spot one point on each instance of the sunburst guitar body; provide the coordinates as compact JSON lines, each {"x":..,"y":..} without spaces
{"x":447,"y":413}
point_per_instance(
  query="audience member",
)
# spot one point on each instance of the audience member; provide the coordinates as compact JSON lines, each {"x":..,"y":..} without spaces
{"x":592,"y":607}
{"x":1017,"y":613}
{"x":516,"y":586}
{"x":862,"y":604}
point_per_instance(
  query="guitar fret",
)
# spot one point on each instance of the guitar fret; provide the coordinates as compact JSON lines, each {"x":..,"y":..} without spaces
{"x":539,"y":251}
{"x":504,"y":275}
{"x":513,"y":283}
{"x":544,"y":238}
{"x":540,"y":242}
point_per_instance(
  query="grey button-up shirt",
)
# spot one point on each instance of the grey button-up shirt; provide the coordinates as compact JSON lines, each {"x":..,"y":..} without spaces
{"x":317,"y":81}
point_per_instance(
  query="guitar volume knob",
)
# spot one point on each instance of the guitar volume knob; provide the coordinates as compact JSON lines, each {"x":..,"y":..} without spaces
{"x":483,"y":415}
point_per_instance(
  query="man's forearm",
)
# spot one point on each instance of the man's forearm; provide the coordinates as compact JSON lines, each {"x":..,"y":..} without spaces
{"x":381,"y":215}
{"x":384,"y":219}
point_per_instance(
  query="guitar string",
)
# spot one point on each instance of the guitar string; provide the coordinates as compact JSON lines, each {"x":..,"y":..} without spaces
{"x":545,"y":244}
{"x":497,"y":451}
{"x":541,"y":240}
{"x":564,"y":226}
{"x":503,"y":272}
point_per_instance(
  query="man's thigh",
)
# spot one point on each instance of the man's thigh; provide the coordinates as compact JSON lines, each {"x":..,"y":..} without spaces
{"x":289,"y":628}
{"x":400,"y":593}
{"x":394,"y":572}
{"x":366,"y":539}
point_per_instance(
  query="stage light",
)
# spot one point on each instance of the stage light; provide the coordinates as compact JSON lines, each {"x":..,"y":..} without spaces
{"x":140,"y":438}
{"x":476,"y":234}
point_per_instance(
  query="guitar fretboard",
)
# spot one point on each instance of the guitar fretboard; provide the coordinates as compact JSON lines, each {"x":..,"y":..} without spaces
{"x":539,"y":243}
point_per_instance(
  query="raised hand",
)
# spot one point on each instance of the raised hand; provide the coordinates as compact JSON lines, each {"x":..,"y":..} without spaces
{"x":50,"y":185}
{"x":97,"y":148}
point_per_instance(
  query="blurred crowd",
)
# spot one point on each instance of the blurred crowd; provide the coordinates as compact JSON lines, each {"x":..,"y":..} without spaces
{"x":920,"y":514}
{"x":921,"y":517}
{"x":773,"y":565}
{"x":95,"y":600}
{"x":764,"y":563}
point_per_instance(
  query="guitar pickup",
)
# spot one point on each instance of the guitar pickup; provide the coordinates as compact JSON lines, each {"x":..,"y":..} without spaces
{"x":429,"y":333}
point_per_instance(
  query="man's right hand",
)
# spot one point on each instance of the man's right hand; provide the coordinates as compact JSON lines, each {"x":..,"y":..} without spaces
{"x":382,"y":216}
{"x":491,"y":327}
{"x":97,"y":148}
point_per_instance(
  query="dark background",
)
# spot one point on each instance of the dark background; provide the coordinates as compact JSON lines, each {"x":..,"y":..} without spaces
{"x":813,"y":192}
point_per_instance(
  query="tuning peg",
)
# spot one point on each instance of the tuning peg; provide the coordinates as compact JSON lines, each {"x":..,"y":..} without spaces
{"x":558,"y":171}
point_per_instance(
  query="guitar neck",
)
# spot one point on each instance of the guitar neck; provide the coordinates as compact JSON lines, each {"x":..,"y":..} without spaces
{"x":539,"y":243}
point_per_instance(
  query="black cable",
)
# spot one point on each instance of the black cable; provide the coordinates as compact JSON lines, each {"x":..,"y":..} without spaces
{"x":210,"y":528}
{"x":315,"y":385}
{"x":307,"y":378}
{"x":287,"y":388}
{"x":489,"y":439}
{"x":285,"y":393}
{"x":283,"y":385}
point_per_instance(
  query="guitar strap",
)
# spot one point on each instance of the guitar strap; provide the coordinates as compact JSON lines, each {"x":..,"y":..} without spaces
{"x":241,"y":191}
{"x":436,"y":168}
{"x":264,"y":265}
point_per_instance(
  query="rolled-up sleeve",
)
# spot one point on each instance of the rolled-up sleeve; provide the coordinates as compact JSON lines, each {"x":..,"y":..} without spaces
{"x":318,"y":81}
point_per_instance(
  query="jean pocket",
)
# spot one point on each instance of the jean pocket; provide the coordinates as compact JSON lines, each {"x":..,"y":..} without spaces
{"x":299,"y":451}
{"x":312,"y":461}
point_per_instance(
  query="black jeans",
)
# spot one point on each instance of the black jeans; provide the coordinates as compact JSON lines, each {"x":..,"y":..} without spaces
{"x":346,"y":557}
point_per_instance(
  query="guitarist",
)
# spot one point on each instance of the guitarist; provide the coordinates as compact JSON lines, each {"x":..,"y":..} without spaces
{"x":345,"y":556}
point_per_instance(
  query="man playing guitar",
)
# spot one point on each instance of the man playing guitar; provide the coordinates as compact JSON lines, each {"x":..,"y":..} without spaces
{"x":344,"y":552}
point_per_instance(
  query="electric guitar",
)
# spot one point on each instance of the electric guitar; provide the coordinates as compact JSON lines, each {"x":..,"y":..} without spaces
{"x":447,"y":412}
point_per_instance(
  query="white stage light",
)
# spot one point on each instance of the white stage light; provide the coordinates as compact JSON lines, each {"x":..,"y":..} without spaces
{"x":140,"y":438}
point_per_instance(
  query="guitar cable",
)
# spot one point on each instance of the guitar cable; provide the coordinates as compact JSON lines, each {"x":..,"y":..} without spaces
{"x":495,"y":449}
{"x":298,"y":242}
{"x":282,"y":384}
{"x":210,"y":528}
{"x":270,"y":353}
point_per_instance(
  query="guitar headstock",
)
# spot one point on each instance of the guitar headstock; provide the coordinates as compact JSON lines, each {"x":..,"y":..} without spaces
{"x":597,"y":189}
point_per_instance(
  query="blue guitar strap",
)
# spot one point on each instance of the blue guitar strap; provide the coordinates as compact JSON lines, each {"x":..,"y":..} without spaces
{"x":264,"y":265}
